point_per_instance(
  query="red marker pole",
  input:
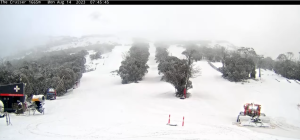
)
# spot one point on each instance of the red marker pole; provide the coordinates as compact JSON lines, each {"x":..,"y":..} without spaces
{"x":169,"y":119}
{"x":183,"y":121}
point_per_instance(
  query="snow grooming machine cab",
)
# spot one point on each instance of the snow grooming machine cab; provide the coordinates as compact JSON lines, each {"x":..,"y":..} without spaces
{"x":51,"y":94}
{"x":252,"y":115}
{"x":38,"y":102}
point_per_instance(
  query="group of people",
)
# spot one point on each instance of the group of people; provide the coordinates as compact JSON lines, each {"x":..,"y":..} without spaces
{"x":20,"y":108}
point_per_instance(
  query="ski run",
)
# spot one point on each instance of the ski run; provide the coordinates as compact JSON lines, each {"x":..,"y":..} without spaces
{"x":103,"y":108}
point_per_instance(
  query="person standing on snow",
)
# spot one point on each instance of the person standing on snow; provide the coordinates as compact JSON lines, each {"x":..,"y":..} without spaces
{"x":20,"y":107}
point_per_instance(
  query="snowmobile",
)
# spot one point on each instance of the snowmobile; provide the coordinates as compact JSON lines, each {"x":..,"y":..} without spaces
{"x":252,"y":115}
{"x":38,"y":102}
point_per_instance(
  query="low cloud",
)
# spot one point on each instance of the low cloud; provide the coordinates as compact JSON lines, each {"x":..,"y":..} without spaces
{"x":269,"y":29}
{"x":95,"y":16}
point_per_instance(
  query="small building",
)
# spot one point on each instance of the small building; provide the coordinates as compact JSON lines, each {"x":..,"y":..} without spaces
{"x":10,"y":94}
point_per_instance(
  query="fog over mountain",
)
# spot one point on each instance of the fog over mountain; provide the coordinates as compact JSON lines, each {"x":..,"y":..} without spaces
{"x":270,"y":30}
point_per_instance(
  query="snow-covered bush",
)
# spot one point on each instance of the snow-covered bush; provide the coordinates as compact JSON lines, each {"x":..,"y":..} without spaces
{"x":238,"y":68}
{"x":174,"y":72}
{"x":55,"y":69}
{"x":97,"y":55}
{"x":134,"y":66}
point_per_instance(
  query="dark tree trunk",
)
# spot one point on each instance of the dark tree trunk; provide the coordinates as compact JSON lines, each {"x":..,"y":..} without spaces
{"x":252,"y":75}
{"x":180,"y":90}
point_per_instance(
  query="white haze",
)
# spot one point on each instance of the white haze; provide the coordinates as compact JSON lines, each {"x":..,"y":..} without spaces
{"x":270,"y":30}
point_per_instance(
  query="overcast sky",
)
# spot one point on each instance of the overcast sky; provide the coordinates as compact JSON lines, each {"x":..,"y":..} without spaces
{"x":270,"y":30}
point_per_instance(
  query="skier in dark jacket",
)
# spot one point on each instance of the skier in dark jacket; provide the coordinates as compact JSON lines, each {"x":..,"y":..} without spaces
{"x":20,"y":107}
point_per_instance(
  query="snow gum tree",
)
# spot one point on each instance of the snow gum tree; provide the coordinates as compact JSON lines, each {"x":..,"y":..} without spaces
{"x":161,"y":52}
{"x":97,"y":55}
{"x":45,"y":70}
{"x":267,"y":63}
{"x":174,"y":72}
{"x":287,"y":67}
{"x":134,"y":66}
{"x":178,"y":72}
{"x":238,"y":68}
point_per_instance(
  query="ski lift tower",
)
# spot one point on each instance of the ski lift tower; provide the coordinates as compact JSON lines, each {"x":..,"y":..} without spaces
{"x":260,"y":57}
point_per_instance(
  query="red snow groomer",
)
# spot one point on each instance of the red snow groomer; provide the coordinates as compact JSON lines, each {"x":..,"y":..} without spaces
{"x":252,"y":115}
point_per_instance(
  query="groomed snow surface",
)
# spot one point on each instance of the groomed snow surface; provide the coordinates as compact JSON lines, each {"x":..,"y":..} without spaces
{"x":82,"y":42}
{"x":103,"y":108}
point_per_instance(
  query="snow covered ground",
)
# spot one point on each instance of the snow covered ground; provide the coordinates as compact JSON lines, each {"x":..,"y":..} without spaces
{"x":176,"y":51}
{"x":103,"y":108}
{"x":92,"y":64}
{"x":82,"y":42}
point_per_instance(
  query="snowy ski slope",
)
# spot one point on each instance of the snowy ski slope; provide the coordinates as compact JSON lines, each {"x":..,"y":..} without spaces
{"x":82,"y":42}
{"x":102,"y":108}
